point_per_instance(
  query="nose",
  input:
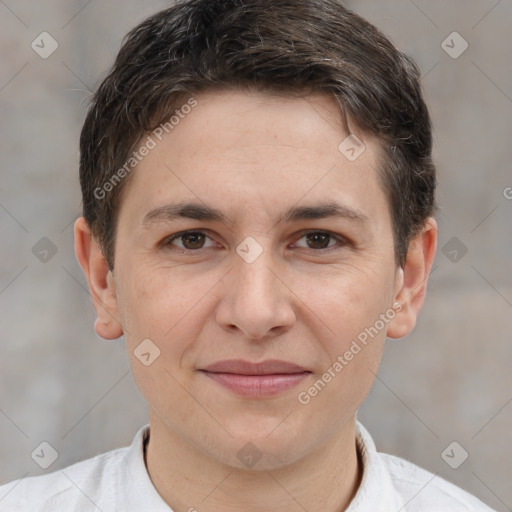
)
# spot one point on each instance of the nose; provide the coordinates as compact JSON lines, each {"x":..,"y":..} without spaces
{"x":256,"y":299}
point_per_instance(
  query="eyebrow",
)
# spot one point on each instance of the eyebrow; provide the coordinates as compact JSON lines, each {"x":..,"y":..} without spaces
{"x":202,"y":212}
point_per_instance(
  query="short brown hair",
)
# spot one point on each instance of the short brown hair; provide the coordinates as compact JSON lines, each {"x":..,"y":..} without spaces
{"x":286,"y":47}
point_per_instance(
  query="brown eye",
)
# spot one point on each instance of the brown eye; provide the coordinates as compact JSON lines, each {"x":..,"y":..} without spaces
{"x":190,"y":240}
{"x":319,"y":240}
{"x":193,"y":240}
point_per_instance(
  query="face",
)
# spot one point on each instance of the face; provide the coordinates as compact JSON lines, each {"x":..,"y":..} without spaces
{"x":285,"y":259}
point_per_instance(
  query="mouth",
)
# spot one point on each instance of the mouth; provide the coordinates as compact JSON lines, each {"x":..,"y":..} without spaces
{"x":257,"y":380}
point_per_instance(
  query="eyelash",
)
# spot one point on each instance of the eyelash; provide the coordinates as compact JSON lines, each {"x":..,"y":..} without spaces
{"x":341,"y":241}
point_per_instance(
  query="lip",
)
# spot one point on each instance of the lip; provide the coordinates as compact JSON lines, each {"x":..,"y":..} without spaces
{"x":241,"y":367}
{"x":258,"y":380}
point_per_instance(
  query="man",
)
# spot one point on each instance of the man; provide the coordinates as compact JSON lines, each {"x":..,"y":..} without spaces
{"x":258,"y":201}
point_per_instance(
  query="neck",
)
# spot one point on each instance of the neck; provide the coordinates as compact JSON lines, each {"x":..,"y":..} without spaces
{"x":189,"y":479}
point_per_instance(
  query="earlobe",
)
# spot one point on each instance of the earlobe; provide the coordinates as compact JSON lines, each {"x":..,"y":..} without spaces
{"x":411,"y":282}
{"x":100,"y":280}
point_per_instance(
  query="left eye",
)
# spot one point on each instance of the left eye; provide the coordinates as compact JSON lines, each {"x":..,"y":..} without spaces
{"x":320,"y":239}
{"x":194,"y":240}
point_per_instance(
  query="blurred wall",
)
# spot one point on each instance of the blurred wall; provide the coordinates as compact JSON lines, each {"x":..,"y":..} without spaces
{"x":448,"y":381}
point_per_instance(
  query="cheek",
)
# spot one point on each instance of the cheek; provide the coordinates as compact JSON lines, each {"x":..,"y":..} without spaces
{"x":352,"y":346}
{"x":155,"y":301}
{"x":337,"y":394}
{"x":350,"y":304}
{"x":163,"y":306}
{"x":347,"y":302}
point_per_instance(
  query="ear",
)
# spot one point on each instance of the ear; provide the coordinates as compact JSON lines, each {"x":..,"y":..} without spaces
{"x":411,"y":282}
{"x":100,"y":280}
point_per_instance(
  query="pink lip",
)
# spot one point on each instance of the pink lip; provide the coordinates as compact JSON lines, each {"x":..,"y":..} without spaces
{"x":264,"y":379}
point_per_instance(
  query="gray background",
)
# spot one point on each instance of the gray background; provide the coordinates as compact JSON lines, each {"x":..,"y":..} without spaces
{"x":449,"y":381}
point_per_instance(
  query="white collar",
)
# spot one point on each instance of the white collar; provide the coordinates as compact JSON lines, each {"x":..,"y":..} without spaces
{"x":376,"y":491}
{"x":136,"y":491}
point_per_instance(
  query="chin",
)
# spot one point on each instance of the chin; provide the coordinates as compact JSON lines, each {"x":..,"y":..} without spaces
{"x":260,"y":448}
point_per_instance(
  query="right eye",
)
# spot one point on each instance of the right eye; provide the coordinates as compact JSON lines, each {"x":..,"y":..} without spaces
{"x":191,"y":241}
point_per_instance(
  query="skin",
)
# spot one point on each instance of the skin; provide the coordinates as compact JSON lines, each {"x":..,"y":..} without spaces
{"x":254,"y":156}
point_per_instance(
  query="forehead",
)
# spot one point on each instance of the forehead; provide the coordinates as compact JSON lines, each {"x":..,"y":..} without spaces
{"x":241,"y":149}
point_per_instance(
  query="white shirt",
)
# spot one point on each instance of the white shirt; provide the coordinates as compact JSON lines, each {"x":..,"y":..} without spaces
{"x":118,"y":481}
